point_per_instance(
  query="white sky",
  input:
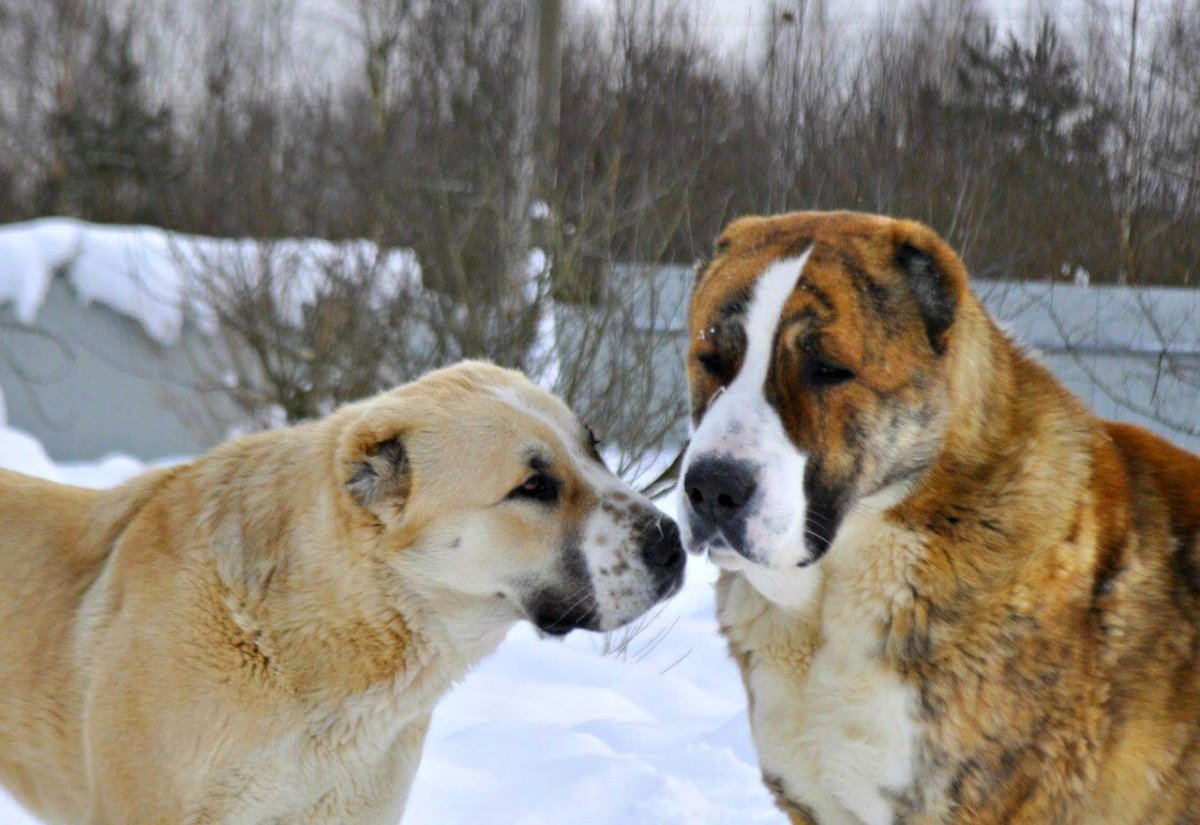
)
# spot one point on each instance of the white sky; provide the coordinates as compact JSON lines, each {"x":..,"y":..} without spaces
{"x":324,"y":29}
{"x":732,"y":25}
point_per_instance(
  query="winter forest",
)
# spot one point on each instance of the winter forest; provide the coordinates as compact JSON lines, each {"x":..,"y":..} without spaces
{"x":1038,"y":143}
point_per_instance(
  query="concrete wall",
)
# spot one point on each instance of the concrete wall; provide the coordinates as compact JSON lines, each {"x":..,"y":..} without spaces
{"x":113,"y":389}
{"x":87,"y":382}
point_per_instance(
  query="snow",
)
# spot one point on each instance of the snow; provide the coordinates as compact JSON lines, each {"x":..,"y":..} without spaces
{"x":32,"y":252}
{"x":23,"y":453}
{"x":108,"y":471}
{"x":150,"y":274}
{"x":546,"y":731}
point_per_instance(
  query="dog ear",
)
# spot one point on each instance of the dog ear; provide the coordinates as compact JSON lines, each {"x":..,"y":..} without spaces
{"x":379,"y":473}
{"x":730,"y":235}
{"x":936,"y":277}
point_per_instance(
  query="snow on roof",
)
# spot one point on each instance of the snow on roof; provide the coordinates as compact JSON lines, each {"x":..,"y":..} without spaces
{"x":30,"y":254}
{"x":149,"y":274}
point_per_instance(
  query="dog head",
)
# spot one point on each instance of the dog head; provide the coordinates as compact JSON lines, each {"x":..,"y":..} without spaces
{"x":476,"y":485}
{"x":818,"y":377}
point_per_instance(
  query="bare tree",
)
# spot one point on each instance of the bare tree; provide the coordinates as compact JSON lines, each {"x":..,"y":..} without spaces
{"x":601,"y":333}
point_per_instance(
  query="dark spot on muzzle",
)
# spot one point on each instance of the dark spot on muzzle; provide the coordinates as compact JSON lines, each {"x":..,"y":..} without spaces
{"x":558,"y":614}
{"x":826,"y":507}
{"x":570,"y":604}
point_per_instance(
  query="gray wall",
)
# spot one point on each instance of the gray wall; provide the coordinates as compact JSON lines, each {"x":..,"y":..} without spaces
{"x":94,"y":384}
{"x":116,"y":390}
{"x":1131,"y":354}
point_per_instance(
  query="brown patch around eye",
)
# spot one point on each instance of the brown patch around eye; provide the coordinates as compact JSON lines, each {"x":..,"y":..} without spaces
{"x":717,"y":364}
{"x":723,"y":344}
{"x":539,"y":487}
{"x":822,"y":370}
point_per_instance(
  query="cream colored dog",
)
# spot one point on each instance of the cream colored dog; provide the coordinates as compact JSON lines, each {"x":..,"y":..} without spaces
{"x":260,"y":635}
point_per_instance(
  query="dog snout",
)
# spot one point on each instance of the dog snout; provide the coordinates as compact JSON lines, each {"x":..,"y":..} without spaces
{"x":718,"y":491}
{"x":662,"y":553}
{"x":663,"y":548}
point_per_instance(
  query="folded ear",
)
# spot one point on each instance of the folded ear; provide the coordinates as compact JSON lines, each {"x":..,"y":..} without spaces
{"x":377,"y":471}
{"x":936,"y":277}
{"x":729,"y":237}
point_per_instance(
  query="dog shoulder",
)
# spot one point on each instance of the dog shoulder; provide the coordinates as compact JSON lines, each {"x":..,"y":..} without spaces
{"x":1163,"y":493}
{"x":112,"y":512}
{"x":1174,"y":472}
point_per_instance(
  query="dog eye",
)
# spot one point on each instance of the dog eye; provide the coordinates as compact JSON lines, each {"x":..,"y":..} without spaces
{"x":822,"y":373}
{"x":538,"y":487}
{"x":715,"y":364}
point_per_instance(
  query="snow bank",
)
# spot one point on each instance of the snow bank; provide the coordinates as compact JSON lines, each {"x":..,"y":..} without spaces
{"x":546,"y":732}
{"x":32,"y":252}
{"x":134,"y":271}
{"x":107,"y":472}
{"x":150,"y":275}
{"x":24,"y":454}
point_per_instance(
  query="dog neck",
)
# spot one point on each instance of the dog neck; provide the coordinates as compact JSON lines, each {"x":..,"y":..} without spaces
{"x":362,"y":629}
{"x":327,"y":620}
{"x":1001,"y":397}
{"x":979,"y":491}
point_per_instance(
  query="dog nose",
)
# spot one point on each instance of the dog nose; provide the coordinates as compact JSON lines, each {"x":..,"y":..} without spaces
{"x":663,"y":547}
{"x":718,"y":490}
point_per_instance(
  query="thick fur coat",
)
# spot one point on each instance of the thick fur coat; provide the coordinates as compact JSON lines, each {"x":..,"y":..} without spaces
{"x":988,"y":610}
{"x":260,"y":636}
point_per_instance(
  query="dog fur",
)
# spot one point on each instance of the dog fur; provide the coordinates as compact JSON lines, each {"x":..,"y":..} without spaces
{"x":260,"y":635}
{"x":976,"y":602}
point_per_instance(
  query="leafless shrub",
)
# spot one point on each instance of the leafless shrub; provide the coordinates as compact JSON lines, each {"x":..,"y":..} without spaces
{"x":600,"y":333}
{"x":301,"y":328}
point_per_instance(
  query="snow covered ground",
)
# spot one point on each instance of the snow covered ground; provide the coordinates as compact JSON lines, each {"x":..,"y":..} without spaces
{"x":548,"y":732}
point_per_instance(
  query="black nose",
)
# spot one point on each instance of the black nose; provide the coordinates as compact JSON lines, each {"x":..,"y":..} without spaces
{"x":663,"y":548}
{"x":718,"y":490}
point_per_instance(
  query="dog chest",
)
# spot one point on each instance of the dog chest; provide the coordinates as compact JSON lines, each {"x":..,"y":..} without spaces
{"x":841,"y":743}
{"x":834,"y":727}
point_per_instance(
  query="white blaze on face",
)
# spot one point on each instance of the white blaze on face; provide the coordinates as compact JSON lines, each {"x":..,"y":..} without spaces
{"x":739,"y":425}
